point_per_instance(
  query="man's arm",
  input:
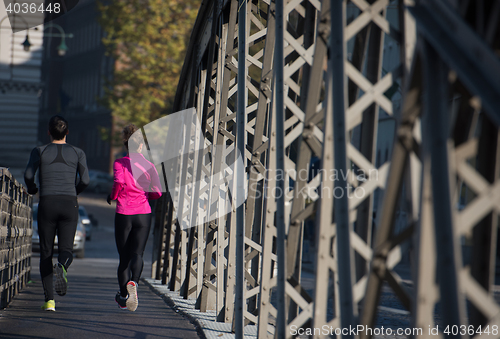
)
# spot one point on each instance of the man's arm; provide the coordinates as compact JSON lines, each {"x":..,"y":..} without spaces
{"x":83,"y":171}
{"x":29,"y":174}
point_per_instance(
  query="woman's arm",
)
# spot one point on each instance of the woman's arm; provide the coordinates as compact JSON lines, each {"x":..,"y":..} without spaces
{"x":119,"y":180}
{"x":155,"y":187}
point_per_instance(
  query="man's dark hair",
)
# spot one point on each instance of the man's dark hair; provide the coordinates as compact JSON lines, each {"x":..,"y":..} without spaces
{"x":58,"y":127}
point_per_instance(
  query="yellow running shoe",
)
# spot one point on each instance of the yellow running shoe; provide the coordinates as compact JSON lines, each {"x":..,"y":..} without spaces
{"x":49,"y":305}
{"x":60,"y":279}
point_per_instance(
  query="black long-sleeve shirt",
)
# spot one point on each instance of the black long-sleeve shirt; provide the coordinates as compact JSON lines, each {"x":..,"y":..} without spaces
{"x":59,"y":165}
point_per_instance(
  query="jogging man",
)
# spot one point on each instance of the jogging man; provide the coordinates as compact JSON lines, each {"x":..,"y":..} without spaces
{"x":59,"y":165}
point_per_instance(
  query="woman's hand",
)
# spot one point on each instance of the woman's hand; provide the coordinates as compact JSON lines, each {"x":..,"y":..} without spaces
{"x":109,"y":199}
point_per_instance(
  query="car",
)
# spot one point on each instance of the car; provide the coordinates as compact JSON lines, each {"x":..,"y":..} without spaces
{"x":86,"y":221}
{"x":78,"y":244}
{"x":100,"y":182}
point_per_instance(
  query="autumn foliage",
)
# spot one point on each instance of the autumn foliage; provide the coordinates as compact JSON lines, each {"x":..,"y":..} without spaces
{"x":148,"y":41}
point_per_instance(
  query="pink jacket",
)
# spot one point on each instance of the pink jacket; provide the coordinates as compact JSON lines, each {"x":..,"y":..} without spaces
{"x":135,"y":181}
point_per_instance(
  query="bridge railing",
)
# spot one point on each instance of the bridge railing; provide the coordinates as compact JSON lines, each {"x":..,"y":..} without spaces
{"x":354,"y":78}
{"x":16,"y":229}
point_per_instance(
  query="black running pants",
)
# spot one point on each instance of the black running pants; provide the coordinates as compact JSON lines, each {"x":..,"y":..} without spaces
{"x":57,"y":215}
{"x":131,"y":235}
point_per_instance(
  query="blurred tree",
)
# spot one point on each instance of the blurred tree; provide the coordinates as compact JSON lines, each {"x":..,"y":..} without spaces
{"x":148,"y":41}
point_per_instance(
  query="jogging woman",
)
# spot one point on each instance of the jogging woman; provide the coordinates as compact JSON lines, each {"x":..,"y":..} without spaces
{"x":135,"y":182}
{"x":58,"y":164}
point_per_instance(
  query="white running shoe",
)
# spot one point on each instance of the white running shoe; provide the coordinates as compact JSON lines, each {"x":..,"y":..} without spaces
{"x":132,"y":300}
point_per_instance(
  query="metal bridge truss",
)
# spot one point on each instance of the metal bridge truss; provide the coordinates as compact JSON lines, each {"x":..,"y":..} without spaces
{"x":440,"y":80}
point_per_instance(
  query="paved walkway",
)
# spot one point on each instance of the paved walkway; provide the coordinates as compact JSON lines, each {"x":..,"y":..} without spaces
{"x":89,"y":310}
{"x":204,"y":320}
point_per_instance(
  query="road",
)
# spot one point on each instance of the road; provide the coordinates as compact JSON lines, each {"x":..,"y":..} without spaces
{"x":102,"y":244}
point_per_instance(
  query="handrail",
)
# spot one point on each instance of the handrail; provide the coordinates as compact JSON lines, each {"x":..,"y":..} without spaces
{"x":16,"y":229}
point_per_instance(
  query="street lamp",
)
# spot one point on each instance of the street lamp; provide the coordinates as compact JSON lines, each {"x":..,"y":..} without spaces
{"x":62,"y":48}
{"x":26,"y":44}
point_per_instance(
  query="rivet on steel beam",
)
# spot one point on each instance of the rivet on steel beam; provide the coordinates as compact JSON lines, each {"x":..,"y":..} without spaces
{"x":452,"y":76}
{"x":475,"y":102}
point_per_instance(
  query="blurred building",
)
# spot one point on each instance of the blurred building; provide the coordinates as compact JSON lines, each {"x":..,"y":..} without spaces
{"x":19,"y":88}
{"x":75,"y":81}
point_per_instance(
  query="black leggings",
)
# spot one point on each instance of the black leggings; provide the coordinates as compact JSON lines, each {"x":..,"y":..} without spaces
{"x":56,"y":215}
{"x":131,"y":235}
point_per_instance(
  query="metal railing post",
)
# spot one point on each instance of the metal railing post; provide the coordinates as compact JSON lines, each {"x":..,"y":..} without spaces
{"x":280,"y":168}
{"x":240,"y":172}
{"x":341,"y":206}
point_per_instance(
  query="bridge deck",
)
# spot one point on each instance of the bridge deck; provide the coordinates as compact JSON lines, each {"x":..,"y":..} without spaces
{"x":89,"y":310}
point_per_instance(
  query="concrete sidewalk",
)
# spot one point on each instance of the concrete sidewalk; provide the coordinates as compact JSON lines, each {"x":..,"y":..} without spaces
{"x":206,"y":321}
{"x":89,"y":310}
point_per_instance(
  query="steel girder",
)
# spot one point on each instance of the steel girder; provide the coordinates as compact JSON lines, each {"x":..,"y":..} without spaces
{"x":336,"y":67}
